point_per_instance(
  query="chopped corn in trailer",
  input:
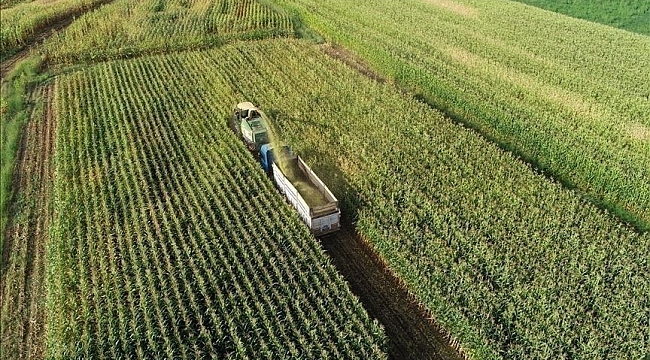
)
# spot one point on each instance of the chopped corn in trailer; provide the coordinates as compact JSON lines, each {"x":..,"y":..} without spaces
{"x":317,"y":206}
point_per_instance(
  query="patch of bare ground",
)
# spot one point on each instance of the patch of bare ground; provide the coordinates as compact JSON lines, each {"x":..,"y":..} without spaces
{"x":455,"y":7}
{"x":639,"y":132}
{"x":24,"y":254}
{"x":409,"y":327}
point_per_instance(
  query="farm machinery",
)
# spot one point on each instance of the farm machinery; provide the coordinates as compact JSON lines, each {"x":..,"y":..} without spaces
{"x":247,"y":122}
{"x":317,"y":206}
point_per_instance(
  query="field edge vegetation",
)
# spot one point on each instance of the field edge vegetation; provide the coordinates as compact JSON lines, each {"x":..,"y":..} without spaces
{"x":630,"y":15}
{"x":16,"y":104}
{"x":27,"y":233}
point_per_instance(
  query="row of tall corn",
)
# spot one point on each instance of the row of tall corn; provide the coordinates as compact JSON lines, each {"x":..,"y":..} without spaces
{"x":568,"y":96}
{"x":129,"y":28}
{"x":512,"y":264}
{"x":170,"y":241}
{"x":24,"y":20}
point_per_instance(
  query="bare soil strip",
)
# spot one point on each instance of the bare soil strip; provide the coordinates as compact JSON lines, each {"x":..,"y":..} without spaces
{"x":8,"y":65}
{"x":24,"y":255}
{"x":411,"y":332}
{"x":42,"y":34}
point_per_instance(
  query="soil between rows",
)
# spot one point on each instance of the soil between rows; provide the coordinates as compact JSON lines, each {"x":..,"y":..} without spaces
{"x":411,"y":333}
{"x":22,"y":293}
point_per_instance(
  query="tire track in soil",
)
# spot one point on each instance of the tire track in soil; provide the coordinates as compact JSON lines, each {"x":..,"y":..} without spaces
{"x":24,"y":253}
{"x":410,"y":331}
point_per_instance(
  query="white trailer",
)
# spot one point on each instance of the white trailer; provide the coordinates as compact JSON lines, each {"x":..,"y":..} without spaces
{"x":323,"y":217}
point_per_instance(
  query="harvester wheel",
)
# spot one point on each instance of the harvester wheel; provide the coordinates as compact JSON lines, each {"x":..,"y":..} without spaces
{"x":233,"y":126}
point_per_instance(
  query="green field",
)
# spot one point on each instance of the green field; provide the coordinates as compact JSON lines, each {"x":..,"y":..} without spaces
{"x":170,"y":241}
{"x":23,"y":20}
{"x":129,"y":28}
{"x":492,"y":154}
{"x":568,"y":96}
{"x":501,"y":256}
{"x":631,"y":15}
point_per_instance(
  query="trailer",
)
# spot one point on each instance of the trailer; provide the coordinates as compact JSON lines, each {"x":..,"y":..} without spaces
{"x":315,"y":203}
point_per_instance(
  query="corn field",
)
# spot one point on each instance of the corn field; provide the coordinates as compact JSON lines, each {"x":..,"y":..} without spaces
{"x":516,"y":214}
{"x":512,"y":264}
{"x":129,"y":28}
{"x":169,"y":240}
{"x":570,"y":97}
{"x":22,"y":20}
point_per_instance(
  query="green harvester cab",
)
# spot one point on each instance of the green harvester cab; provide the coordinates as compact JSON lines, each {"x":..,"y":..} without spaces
{"x":247,"y":121}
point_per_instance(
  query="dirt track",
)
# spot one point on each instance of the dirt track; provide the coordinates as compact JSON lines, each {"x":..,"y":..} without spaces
{"x":23,"y":267}
{"x":410,"y":331}
{"x":411,"y":334}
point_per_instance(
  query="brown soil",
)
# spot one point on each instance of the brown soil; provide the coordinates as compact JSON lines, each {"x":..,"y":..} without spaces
{"x":7,"y":65}
{"x":24,"y":253}
{"x":40,"y":35}
{"x":411,"y":332}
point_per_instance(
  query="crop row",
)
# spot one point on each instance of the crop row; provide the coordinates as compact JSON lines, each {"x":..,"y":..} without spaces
{"x":128,"y":28}
{"x":23,"y":240}
{"x":570,"y":97}
{"x":170,"y":242}
{"x":512,"y":264}
{"x":23,"y":20}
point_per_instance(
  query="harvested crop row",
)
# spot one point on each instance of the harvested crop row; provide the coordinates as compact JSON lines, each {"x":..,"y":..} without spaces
{"x":170,"y":241}
{"x":25,"y":240}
